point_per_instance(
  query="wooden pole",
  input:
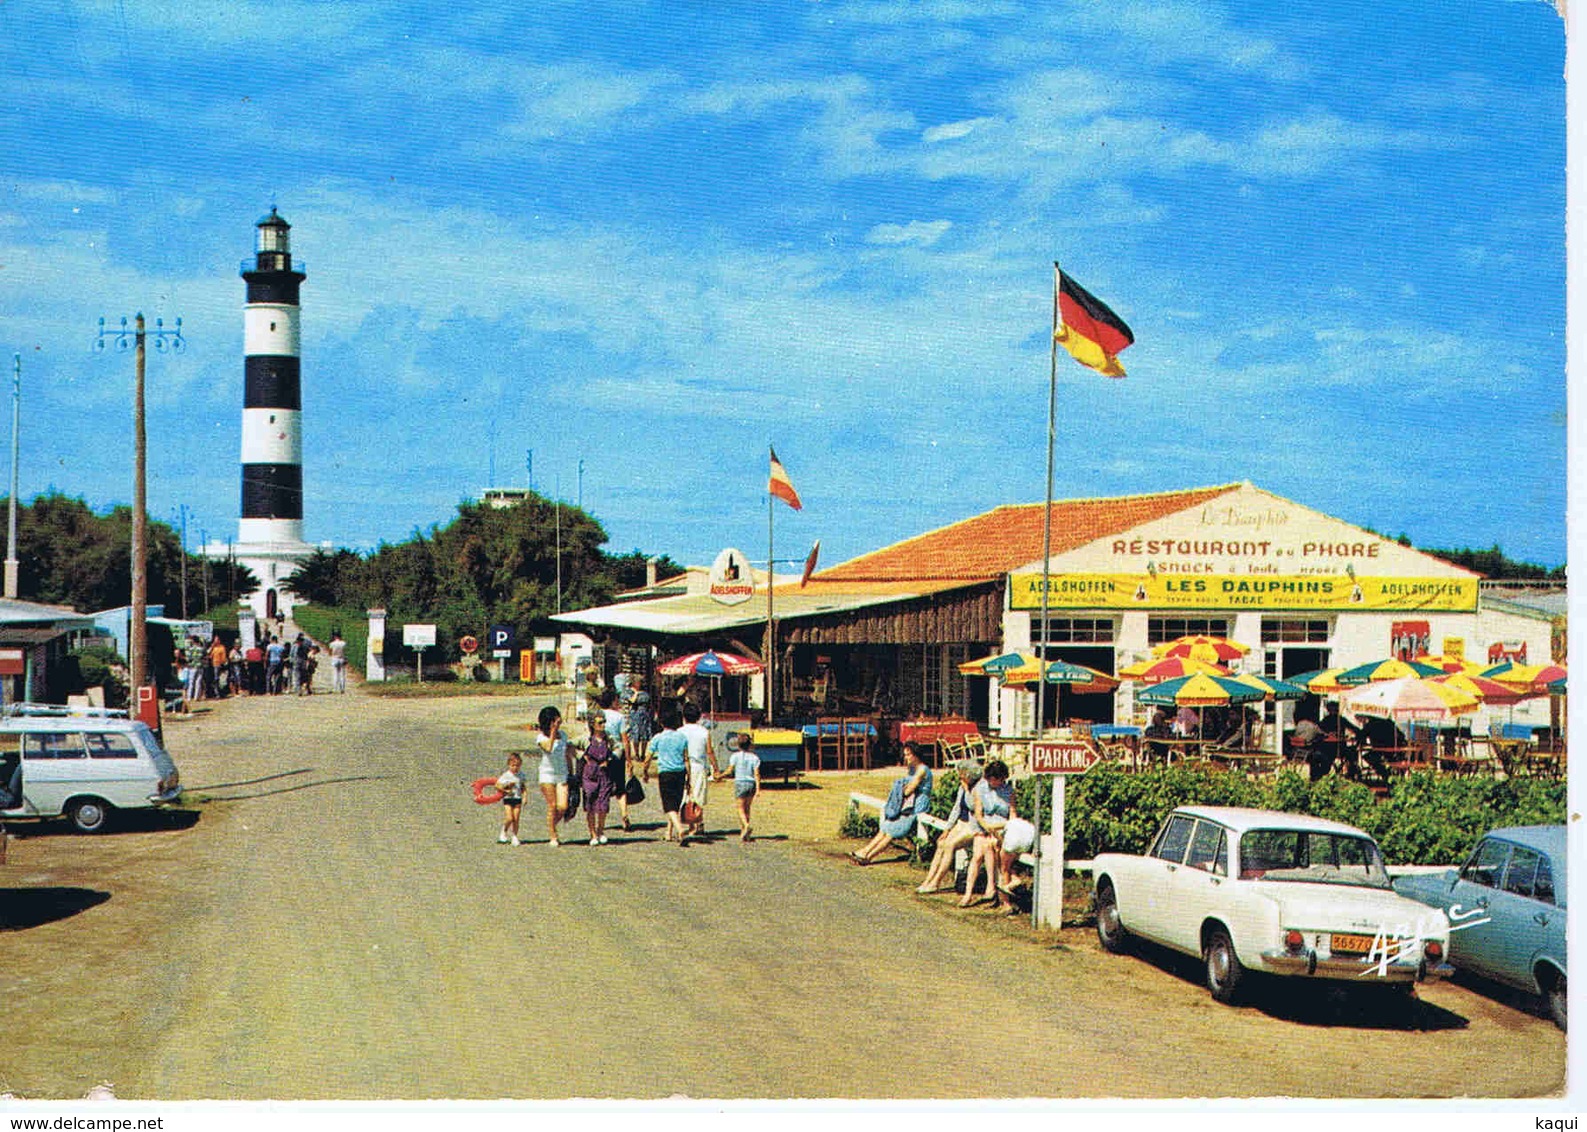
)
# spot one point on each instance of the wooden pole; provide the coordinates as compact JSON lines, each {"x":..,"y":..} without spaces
{"x":137,"y":645}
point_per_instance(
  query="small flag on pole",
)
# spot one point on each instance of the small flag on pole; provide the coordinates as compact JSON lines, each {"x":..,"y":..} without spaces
{"x":810,"y":565}
{"x":780,"y":485}
{"x":1092,"y":333}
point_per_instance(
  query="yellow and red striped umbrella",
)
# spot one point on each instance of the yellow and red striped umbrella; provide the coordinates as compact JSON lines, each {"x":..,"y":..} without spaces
{"x":1534,"y":679}
{"x":1487,"y":691}
{"x":1212,"y":650}
{"x":1156,"y":669}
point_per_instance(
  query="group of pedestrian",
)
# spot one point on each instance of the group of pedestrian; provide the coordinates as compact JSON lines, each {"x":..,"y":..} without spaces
{"x":210,"y":670}
{"x":616,"y":761}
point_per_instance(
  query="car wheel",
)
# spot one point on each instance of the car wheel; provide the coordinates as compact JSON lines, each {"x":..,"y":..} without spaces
{"x":1556,"y":1001}
{"x":89,"y":815}
{"x":1225,"y":974}
{"x":1110,"y":928}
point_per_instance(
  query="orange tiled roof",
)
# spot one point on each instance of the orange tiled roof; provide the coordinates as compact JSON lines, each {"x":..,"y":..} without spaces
{"x":993,"y":543}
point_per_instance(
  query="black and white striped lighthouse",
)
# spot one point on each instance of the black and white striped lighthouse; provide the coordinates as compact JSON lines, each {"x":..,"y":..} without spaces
{"x":270,"y":530}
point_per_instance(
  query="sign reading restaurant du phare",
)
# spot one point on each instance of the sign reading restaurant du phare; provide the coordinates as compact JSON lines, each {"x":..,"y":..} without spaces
{"x":1247,"y":549}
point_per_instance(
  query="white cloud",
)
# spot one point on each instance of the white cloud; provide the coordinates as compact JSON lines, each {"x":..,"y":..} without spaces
{"x":951,"y":131}
{"x":919,"y":232}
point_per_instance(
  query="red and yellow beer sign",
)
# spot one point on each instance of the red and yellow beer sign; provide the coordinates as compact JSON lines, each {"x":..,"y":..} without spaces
{"x":1239,"y":591}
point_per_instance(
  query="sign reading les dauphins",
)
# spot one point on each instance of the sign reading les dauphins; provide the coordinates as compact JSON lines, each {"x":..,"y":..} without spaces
{"x":1248,"y":549}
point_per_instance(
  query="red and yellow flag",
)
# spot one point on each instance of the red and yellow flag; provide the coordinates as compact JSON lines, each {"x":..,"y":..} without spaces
{"x":780,"y":485}
{"x":1092,"y":333}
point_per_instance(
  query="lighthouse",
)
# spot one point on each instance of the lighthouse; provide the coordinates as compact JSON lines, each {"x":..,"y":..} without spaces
{"x":270,"y":529}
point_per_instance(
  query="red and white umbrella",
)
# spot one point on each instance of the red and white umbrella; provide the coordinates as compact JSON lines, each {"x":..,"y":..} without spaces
{"x":1409,"y":698}
{"x":711,"y":663}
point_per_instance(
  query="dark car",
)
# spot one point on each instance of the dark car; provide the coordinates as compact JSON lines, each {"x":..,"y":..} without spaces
{"x":1506,"y":909}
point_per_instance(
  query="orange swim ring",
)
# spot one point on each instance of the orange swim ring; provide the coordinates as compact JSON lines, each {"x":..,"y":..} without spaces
{"x":486,"y":792}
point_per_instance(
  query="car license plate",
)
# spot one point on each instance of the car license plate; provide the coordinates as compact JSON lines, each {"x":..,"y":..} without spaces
{"x":1350,"y":944}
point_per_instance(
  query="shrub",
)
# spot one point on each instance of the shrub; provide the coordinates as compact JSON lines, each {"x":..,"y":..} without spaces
{"x":1425,"y":820}
{"x":858,"y":823}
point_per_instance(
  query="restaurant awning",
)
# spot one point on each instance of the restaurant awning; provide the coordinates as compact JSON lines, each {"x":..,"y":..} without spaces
{"x":699,"y":614}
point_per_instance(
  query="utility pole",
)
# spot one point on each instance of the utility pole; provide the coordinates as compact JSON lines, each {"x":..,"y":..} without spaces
{"x":559,"y":542}
{"x":11,"y":530}
{"x":181,"y":519}
{"x":581,"y":485}
{"x":530,"y":460}
{"x":203,"y":567}
{"x":137,"y":633}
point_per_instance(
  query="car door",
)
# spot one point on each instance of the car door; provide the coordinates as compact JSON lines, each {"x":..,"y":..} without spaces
{"x":1195,"y":889}
{"x":1521,"y":918}
{"x":54,"y":765}
{"x":1152,"y":906}
{"x":1474,"y":941}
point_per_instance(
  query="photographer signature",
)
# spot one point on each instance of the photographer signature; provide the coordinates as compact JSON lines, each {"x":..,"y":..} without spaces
{"x":1403,"y":944}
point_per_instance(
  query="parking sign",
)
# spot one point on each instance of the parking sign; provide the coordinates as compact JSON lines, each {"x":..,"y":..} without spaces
{"x":501,"y":640}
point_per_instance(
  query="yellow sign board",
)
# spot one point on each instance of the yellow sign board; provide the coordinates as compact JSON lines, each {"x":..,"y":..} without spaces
{"x":1257,"y":591}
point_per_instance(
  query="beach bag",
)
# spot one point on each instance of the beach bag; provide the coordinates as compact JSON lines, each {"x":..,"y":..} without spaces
{"x":635,"y":793}
{"x":690,"y":812}
{"x":1019,"y":836}
{"x":893,"y":808}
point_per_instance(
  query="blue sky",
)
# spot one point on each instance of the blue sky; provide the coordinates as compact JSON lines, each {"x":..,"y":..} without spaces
{"x":658,"y":237}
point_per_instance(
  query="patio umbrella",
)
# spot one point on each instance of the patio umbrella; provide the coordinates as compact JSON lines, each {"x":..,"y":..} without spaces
{"x":1533,"y":678}
{"x":1077,"y":676}
{"x":1319,"y":681}
{"x":711,"y":663}
{"x":1452,"y":664}
{"x":989,"y":665}
{"x":1487,"y":691}
{"x":1390,"y":669}
{"x":1273,"y":689}
{"x":1154,"y":670}
{"x":1409,"y":698}
{"x":1213,"y":650}
{"x":1200,"y":690}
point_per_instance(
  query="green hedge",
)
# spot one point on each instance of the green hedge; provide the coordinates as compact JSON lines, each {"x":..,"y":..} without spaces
{"x":1426,"y":819}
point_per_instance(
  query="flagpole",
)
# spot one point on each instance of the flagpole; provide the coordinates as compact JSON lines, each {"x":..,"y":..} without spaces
{"x":771,"y":643}
{"x":1046,"y":556}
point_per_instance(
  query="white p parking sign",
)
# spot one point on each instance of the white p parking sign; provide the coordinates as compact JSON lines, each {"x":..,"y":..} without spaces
{"x":501,"y":641}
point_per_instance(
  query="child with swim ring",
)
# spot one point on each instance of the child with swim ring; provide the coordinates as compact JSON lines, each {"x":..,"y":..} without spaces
{"x":511,"y":785}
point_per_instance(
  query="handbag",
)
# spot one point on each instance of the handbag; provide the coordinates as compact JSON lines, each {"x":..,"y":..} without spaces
{"x":893,"y":808}
{"x":690,"y":813}
{"x":634,"y":792}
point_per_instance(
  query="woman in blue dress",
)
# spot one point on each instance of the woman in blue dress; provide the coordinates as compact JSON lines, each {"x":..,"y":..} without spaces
{"x":912,"y":794}
{"x":993,"y":803}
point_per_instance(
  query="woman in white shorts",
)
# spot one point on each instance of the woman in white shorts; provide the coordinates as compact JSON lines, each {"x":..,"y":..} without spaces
{"x":554,"y":768}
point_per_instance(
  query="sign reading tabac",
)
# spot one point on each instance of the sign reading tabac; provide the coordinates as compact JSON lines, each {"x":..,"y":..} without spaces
{"x":1222,"y":591}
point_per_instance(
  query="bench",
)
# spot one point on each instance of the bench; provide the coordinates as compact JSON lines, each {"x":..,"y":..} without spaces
{"x":932,"y":821}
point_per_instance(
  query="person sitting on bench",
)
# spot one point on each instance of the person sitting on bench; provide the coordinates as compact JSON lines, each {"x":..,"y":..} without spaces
{"x":961,"y":831}
{"x":909,"y":798}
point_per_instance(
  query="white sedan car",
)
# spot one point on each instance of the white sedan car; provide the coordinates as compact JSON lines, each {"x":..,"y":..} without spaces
{"x":1280,"y":893}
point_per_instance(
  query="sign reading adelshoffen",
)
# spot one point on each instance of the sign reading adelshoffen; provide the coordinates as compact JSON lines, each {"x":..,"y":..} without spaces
{"x":1061,"y":757}
{"x":731,"y":580}
{"x":1263,"y":591}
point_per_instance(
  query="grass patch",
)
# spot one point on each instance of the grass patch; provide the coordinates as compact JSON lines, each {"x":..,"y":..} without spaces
{"x":410,"y":689}
{"x":318,"y":621}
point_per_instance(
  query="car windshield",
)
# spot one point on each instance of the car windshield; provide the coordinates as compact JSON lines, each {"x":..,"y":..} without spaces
{"x":1316,"y":858}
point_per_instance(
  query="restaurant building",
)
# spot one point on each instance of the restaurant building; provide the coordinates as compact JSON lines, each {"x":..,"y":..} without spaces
{"x":885,"y":632}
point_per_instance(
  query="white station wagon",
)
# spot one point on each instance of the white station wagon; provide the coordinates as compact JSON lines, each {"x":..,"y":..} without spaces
{"x":83,"y":763}
{"x":1257,"y":890}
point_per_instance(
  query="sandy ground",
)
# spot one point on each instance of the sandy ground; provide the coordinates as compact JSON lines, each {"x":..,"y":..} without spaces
{"x":333,"y":919}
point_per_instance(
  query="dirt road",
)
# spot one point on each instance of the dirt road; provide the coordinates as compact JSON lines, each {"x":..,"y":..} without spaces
{"x":340,"y":923}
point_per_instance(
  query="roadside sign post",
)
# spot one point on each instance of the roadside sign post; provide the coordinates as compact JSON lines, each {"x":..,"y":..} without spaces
{"x":501,"y":640}
{"x":419,"y":638}
{"x":1060,"y":759}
